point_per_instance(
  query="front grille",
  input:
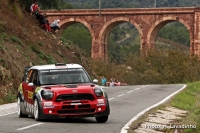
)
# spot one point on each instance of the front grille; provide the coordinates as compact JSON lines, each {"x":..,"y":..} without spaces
{"x":80,"y":111}
{"x":84,"y":106}
{"x":68,"y":107}
{"x":74,"y":97}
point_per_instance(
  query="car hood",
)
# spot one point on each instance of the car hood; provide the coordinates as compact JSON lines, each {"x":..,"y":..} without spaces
{"x":71,"y":88}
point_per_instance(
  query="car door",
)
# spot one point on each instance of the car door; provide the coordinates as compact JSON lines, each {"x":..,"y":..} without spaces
{"x":29,"y":90}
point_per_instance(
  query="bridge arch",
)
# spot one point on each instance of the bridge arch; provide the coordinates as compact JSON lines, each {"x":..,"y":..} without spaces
{"x":105,"y":30}
{"x":155,"y":28}
{"x":67,"y":22}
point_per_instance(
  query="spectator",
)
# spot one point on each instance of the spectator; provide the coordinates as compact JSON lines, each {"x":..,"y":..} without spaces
{"x":117,"y":83}
{"x":34,"y":8}
{"x":44,"y":23}
{"x":39,"y":16}
{"x":103,"y":81}
{"x":55,"y":25}
{"x":111,"y":82}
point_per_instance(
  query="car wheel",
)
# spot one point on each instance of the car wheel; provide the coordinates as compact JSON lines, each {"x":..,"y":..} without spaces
{"x":36,"y":110}
{"x":101,"y":119}
{"x":19,"y":108}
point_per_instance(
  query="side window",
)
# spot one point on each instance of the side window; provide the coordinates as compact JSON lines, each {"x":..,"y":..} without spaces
{"x":29,"y":76}
{"x":33,"y":77}
{"x":25,"y":77}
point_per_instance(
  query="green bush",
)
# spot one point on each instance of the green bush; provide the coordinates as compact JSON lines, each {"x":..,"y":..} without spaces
{"x":158,"y":67}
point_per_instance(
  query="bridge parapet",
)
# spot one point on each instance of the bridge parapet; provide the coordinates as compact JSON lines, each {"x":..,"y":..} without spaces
{"x":124,"y":11}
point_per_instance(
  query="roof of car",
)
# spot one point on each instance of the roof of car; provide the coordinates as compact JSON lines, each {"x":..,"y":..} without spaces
{"x":56,"y":66}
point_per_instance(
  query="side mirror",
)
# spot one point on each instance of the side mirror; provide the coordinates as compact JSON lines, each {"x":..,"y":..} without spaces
{"x":95,"y":81}
{"x":30,"y":84}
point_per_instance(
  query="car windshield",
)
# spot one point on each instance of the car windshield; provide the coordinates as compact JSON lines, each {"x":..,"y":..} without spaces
{"x":63,"y":76}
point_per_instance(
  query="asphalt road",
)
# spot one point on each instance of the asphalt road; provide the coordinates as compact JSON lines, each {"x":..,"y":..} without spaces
{"x":125,"y":103}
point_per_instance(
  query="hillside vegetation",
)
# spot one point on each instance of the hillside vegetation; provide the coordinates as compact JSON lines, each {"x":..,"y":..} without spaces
{"x":23,"y":42}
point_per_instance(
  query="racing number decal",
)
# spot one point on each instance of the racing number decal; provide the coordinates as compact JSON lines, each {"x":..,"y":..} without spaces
{"x":30,"y":94}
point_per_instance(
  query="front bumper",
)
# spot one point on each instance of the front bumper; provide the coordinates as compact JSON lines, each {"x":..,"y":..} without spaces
{"x":86,"y":108}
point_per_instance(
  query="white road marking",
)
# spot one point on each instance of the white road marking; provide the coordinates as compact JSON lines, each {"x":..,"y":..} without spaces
{"x":29,"y":126}
{"x":120,"y":95}
{"x":136,"y":89}
{"x":129,"y":91}
{"x":8,"y":113}
{"x":111,"y":98}
{"x":126,"y":127}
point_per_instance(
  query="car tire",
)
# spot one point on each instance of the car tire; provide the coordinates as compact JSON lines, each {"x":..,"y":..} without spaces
{"x":101,"y":119}
{"x":37,"y":111}
{"x":19,"y":108}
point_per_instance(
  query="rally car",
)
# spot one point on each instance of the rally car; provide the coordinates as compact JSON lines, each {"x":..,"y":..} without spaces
{"x":61,"y":90}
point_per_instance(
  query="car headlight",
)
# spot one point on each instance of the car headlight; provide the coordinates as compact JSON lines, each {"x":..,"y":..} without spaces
{"x":98,"y":92}
{"x":47,"y":94}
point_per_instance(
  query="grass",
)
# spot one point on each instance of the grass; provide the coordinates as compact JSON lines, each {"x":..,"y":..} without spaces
{"x":49,"y":59}
{"x":8,"y":99}
{"x":40,"y":43}
{"x":188,"y":100}
{"x":15,"y":39}
{"x":36,"y":50}
{"x":59,"y":53}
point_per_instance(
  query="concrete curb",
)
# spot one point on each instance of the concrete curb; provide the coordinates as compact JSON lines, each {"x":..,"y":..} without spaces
{"x":8,"y":106}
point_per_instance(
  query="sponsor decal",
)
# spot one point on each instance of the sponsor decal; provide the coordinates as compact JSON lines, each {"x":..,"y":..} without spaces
{"x":74,"y":90}
{"x":75,"y":103}
{"x":100,"y":104}
{"x":100,"y":100}
{"x":61,"y":70}
{"x":30,"y":95}
{"x":48,"y":105}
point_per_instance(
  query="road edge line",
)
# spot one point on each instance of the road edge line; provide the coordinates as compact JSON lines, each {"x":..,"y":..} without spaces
{"x":124,"y":129}
{"x":8,"y":113}
{"x":26,"y":127}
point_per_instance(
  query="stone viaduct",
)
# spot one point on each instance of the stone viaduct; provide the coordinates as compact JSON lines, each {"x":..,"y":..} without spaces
{"x":148,"y":22}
